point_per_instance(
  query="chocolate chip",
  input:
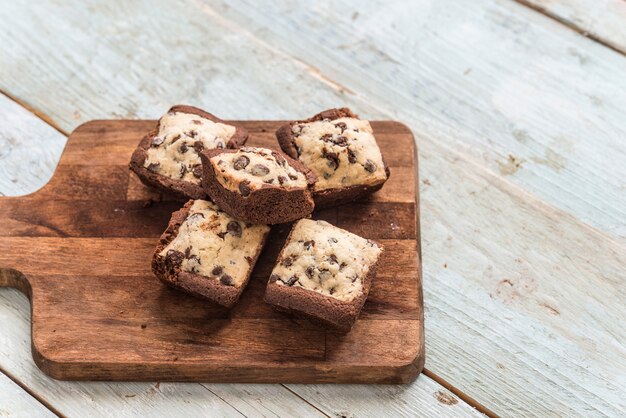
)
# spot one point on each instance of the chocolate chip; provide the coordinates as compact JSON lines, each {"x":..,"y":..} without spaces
{"x":332,"y":259}
{"x":279,"y":158}
{"x":175,"y":138}
{"x":331,"y":290}
{"x":227,"y":280}
{"x":234,"y":229}
{"x":217,"y":270}
{"x":219,"y":145}
{"x":222,"y":234}
{"x":369,"y":166}
{"x":274,"y":277}
{"x":174,"y":258}
{"x":197,"y":170}
{"x":332,"y":157}
{"x":310,"y":271}
{"x":198,"y":146}
{"x":154,"y":167}
{"x":282,"y":179}
{"x":192,"y":133}
{"x":241,"y":162}
{"x":157,"y":140}
{"x":244,"y":188}
{"x":354,"y":278}
{"x":342,"y":265}
{"x":259,"y":170}
{"x":197,"y":122}
{"x":342,"y":141}
{"x":288,"y":261}
{"x":187,"y":252}
{"x":332,"y":240}
{"x":292,"y":280}
{"x":183,"y":148}
{"x":341,"y":125}
{"x":183,"y":170}
{"x":351,"y":156}
{"x":268,"y":181}
{"x":308,"y":244}
{"x":293,"y":177}
{"x":326,"y":137}
{"x":248,"y":259}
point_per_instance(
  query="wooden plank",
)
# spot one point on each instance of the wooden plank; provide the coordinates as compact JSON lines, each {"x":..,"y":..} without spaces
{"x":524,"y":96}
{"x":601,"y":20}
{"x":25,"y":148}
{"x":16,"y":402}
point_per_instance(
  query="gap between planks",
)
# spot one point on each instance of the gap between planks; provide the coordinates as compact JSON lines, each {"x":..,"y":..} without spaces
{"x":31,"y":393}
{"x":461,"y":395}
{"x":561,"y":20}
{"x":47,"y":119}
{"x":224,"y":400}
{"x":305,"y":400}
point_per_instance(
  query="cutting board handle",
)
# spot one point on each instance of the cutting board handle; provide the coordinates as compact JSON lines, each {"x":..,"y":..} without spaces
{"x":13,"y":278}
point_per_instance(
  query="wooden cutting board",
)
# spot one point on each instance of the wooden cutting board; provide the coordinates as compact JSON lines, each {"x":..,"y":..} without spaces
{"x":80,"y":248}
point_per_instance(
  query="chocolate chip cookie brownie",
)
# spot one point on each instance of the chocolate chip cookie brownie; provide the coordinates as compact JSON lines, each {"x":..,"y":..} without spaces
{"x":258,"y":185}
{"x":207,"y":253}
{"x":323,"y":272}
{"x":167,"y":158}
{"x":341,"y":150}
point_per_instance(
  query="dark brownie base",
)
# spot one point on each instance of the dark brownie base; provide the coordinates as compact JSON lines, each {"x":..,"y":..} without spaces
{"x":194,"y":284}
{"x":330,"y":197}
{"x":320,"y":309}
{"x":268,"y":205}
{"x":182,"y":190}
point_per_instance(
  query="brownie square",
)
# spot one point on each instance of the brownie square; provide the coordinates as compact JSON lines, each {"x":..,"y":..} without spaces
{"x":207,"y":253}
{"x":258,"y":185}
{"x":167,"y":157}
{"x":323,"y":272}
{"x":341,"y":150}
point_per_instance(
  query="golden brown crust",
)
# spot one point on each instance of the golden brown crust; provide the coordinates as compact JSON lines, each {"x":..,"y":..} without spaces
{"x":195,"y":284}
{"x":270,"y":204}
{"x":181,"y":189}
{"x":329,"y":197}
{"x":322,"y":309}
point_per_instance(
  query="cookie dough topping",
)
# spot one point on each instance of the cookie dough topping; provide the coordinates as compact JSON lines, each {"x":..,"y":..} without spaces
{"x":325,"y":259}
{"x":342,"y":152}
{"x":174,"y":150}
{"x":213,"y":244}
{"x":252,"y":168}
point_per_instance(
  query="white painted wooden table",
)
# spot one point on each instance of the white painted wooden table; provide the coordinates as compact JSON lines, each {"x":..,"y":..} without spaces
{"x":519,"y":109}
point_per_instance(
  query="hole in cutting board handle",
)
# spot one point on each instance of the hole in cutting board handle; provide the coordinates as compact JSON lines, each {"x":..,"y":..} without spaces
{"x":12,"y":278}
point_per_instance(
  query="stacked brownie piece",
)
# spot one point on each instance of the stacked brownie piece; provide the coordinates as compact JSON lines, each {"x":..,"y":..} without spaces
{"x":211,"y":245}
